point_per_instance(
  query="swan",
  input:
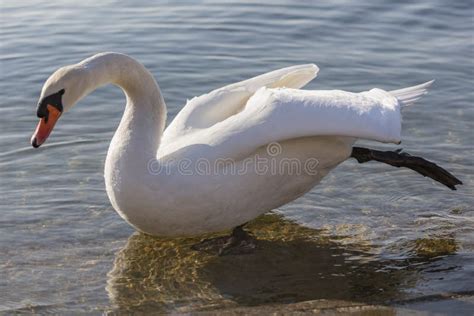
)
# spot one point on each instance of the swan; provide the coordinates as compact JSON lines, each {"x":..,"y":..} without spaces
{"x":232,"y":154}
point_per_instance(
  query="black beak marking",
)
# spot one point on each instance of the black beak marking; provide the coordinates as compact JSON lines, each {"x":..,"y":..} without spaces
{"x":54,"y":99}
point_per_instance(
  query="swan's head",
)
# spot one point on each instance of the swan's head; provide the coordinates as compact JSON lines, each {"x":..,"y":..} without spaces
{"x":59,"y":94}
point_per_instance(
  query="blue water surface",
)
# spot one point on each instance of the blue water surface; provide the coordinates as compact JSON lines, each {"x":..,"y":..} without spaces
{"x":63,"y":248}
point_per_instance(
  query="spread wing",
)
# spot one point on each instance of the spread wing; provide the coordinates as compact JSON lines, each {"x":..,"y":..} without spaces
{"x":208,"y":109}
{"x":274,"y":115}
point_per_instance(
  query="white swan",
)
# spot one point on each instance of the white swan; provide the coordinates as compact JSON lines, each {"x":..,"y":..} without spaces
{"x":213,"y":168}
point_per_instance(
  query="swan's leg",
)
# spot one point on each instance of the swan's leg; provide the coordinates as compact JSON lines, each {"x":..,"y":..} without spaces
{"x":238,"y":242}
{"x":401,"y":159}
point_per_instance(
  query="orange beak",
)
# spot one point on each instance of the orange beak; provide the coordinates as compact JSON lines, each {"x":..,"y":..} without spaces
{"x":45,"y":126}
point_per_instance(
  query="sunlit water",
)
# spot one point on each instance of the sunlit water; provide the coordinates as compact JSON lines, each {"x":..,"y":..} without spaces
{"x":368,"y":234}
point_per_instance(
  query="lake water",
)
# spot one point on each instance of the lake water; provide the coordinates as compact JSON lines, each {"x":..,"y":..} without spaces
{"x":368,"y":236}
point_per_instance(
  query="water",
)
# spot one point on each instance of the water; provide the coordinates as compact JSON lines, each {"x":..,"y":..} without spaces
{"x":368,"y":234}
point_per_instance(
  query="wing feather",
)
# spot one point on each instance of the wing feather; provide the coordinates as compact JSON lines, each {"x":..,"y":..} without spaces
{"x":211,"y":108}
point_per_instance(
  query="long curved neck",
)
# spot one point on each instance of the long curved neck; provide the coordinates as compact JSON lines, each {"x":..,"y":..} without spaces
{"x":144,"y":118}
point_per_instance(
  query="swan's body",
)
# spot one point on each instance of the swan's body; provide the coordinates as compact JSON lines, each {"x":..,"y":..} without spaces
{"x":201,"y":174}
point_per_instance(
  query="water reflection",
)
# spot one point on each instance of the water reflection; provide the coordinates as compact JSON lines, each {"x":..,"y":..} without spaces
{"x":292,"y":264}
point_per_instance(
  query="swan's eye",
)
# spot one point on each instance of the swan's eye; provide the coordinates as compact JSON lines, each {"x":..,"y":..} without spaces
{"x":54,"y":100}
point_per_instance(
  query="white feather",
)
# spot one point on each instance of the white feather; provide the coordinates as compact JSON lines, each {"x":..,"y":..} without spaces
{"x":408,"y":96}
{"x":144,"y":174}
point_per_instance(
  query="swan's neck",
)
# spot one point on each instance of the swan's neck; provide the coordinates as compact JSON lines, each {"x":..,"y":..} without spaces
{"x":138,"y":135}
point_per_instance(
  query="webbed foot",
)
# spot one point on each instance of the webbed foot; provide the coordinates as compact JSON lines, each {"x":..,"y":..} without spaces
{"x":237,"y":243}
{"x":401,"y":159}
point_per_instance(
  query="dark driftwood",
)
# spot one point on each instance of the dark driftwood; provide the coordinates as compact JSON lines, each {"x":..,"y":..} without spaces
{"x":401,"y":159}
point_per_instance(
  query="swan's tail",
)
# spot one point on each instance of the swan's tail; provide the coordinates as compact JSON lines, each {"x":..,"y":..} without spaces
{"x":408,"y":96}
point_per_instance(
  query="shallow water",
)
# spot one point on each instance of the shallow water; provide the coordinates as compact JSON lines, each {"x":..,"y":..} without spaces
{"x":368,"y":234}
